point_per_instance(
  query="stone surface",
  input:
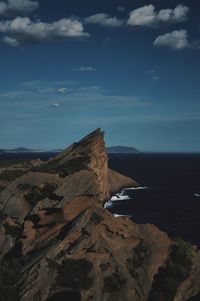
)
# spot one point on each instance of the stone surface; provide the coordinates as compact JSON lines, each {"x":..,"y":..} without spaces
{"x":53,"y":221}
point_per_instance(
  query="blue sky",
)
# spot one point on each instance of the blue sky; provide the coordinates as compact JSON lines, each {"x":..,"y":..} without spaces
{"x":129,"y":67}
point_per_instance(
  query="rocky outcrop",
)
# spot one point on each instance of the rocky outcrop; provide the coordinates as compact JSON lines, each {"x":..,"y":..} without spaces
{"x":68,"y":247}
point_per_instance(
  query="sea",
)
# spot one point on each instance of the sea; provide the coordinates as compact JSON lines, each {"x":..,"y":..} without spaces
{"x":174,"y":177}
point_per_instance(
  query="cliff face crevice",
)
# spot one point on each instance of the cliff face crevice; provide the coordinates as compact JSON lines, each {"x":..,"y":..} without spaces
{"x":66,"y":244}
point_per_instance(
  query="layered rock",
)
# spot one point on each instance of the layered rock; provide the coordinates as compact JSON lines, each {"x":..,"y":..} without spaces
{"x":70,"y":248}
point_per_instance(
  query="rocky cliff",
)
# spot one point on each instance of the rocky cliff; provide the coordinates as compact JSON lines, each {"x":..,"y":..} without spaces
{"x":58,"y":243}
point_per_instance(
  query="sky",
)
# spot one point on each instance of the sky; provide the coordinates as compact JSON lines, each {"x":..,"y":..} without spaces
{"x":130,"y":67}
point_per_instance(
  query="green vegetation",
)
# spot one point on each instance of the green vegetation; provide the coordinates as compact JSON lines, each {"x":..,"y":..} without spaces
{"x":105,"y":266}
{"x":73,"y":274}
{"x":53,"y":167}
{"x":9,"y":276}
{"x":36,"y":194}
{"x":63,"y":296}
{"x":13,"y":231}
{"x":176,"y":270}
{"x":24,"y":187}
{"x":96,"y":218}
{"x":49,"y":225}
{"x":52,"y":210}
{"x":82,"y":143}
{"x":11,"y":175}
{"x":140,"y":258}
{"x":1,"y":188}
{"x":113,"y":283}
{"x":34,"y":218}
{"x":2,"y":216}
{"x":10,"y":163}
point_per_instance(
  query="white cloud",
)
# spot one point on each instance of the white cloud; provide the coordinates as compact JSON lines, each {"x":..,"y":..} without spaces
{"x":104,"y":20}
{"x":62,"y":90}
{"x":142,"y":16}
{"x":22,"y":30}
{"x":10,"y":7}
{"x":148,"y":16}
{"x":55,"y":104}
{"x":48,"y":90}
{"x":174,"y":40}
{"x":149,"y":71}
{"x":11,"y":41}
{"x":86,"y":69}
{"x":155,"y":78}
{"x":120,"y":8}
{"x":81,"y":97}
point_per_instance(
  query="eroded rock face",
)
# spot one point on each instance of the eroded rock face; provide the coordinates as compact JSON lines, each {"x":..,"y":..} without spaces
{"x":68,"y":246}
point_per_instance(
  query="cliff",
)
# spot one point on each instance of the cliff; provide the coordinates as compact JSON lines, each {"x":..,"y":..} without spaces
{"x":61,"y":244}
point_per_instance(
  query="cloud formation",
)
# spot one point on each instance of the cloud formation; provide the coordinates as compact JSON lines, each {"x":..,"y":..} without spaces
{"x":11,"y":7}
{"x":85,"y":69}
{"x":148,"y":16}
{"x":175,"y":40}
{"x":11,"y":41}
{"x":149,"y":71}
{"x":22,"y":30}
{"x":62,"y":90}
{"x":32,"y":93}
{"x":121,"y":8}
{"x":55,"y":104}
{"x":104,"y":20}
{"x":155,"y":78}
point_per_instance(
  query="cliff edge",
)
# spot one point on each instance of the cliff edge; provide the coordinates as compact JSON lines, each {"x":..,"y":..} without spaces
{"x":61,"y":244}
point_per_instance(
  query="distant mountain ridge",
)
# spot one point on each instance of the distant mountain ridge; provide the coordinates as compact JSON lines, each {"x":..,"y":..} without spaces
{"x":122,"y":149}
{"x":111,"y":150}
{"x":19,"y":150}
{"x":58,"y":242}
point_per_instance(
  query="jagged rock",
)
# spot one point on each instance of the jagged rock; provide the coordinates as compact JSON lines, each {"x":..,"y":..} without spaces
{"x":70,"y":248}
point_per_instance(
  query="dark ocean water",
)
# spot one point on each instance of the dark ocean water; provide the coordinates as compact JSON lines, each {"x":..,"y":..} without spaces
{"x":174,"y":177}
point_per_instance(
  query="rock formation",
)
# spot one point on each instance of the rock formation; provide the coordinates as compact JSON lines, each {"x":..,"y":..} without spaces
{"x":66,"y":246}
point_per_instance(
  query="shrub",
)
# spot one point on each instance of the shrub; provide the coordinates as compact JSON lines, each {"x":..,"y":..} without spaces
{"x":13,"y":231}
{"x":140,"y":258}
{"x":65,"y":169}
{"x":104,"y":266}
{"x":24,"y":187}
{"x":12,"y":175}
{"x":96,"y":218}
{"x":113,"y":283}
{"x":176,"y":270}
{"x":48,"y":225}
{"x":52,"y":210}
{"x":1,"y":188}
{"x":9,"y":276}
{"x":34,"y":218}
{"x":36,"y":194}
{"x":10,"y":163}
{"x":73,"y":274}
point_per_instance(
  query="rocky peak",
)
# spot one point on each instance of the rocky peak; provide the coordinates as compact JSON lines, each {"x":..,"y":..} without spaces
{"x":91,"y":153}
{"x":59,"y":243}
{"x":87,"y":146}
{"x":84,"y":165}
